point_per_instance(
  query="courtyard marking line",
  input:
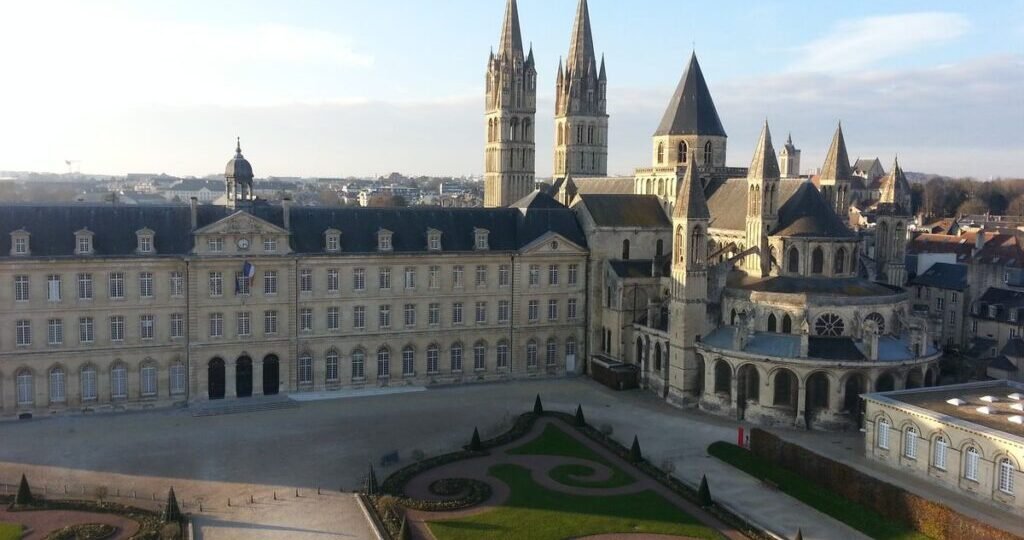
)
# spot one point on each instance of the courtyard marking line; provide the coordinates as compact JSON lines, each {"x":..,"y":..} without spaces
{"x":344,"y":394}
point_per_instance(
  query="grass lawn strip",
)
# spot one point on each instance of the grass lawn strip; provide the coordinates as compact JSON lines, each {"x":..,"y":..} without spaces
{"x":535,"y":513}
{"x":859,"y":517}
{"x":555,"y":442}
{"x":10,"y":531}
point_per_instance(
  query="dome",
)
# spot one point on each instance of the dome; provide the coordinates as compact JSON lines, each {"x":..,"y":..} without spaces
{"x":238,"y":166}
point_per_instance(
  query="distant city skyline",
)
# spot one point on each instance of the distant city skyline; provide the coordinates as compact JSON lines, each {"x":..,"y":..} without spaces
{"x":358,"y":88}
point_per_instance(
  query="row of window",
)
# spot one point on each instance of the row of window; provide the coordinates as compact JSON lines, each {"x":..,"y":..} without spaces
{"x":456,"y":355}
{"x":87,"y":329}
{"x":83,"y":242}
{"x":25,"y":383}
{"x":84,"y":286}
{"x":971,"y":457}
{"x":839,"y":261}
{"x":681,"y":152}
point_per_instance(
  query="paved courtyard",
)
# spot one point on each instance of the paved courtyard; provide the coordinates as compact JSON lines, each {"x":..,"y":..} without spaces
{"x":328,"y":444}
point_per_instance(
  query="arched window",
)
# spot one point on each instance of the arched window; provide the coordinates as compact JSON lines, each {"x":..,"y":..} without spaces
{"x":526,"y":130}
{"x":456,"y":357}
{"x":840,"y":262}
{"x":479,"y":356}
{"x":882,"y":435}
{"x":408,"y":360}
{"x":878,"y":320}
{"x":625,"y":250}
{"x":661,"y":153}
{"x":679,"y":244}
{"x":707,"y":153}
{"x":57,"y":386}
{"x":433,"y":355}
{"x":681,"y":152}
{"x":732,"y":317}
{"x":697,"y":246}
{"x":570,"y":347}
{"x":659,"y":248}
{"x":147,"y":380}
{"x":331,"y":365}
{"x":723,"y":377}
{"x":787,"y":324}
{"x":1005,"y":475}
{"x":910,"y":442}
{"x":305,"y":368}
{"x":358,"y":364}
{"x":383,"y":362}
{"x":551,"y":352}
{"x":89,"y":383}
{"x":119,"y":382}
{"x":829,"y":325}
{"x":502,"y":356}
{"x":793,"y":261}
{"x":971,"y":460}
{"x":939,"y":452}
{"x":531,"y":354}
{"x":817,"y":261}
{"x":772,"y":323}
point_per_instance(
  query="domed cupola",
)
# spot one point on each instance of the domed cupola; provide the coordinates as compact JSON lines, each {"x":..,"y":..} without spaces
{"x":238,"y":177}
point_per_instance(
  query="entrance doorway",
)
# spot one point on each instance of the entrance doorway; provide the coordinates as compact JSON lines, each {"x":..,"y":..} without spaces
{"x":271,"y":375}
{"x":243,"y":376}
{"x":215,"y":379}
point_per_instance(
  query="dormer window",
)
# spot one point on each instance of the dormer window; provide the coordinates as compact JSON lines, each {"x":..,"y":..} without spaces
{"x":145,"y":240}
{"x":19,"y":243}
{"x":384,"y":240}
{"x":433,"y":240}
{"x":481,"y":239}
{"x":83,"y":242}
{"x":1013,"y":315}
{"x":992,"y":311}
{"x":332,"y":240}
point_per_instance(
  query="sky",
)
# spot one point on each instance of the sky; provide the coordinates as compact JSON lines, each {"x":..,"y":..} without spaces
{"x":358,"y":87}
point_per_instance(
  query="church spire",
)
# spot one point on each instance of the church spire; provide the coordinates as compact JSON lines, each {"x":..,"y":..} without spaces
{"x":581,"y":48}
{"x":690,"y":200}
{"x":764,"y":164}
{"x":691,"y":110}
{"x":511,"y":45}
{"x":837,"y":161}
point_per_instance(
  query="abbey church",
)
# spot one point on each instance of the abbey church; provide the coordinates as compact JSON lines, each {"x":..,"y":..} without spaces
{"x":741,"y":291}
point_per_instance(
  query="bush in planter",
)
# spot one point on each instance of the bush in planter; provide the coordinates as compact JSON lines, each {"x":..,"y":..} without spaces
{"x":704,"y":493}
{"x":474,"y":443}
{"x":634,"y":451}
{"x":580,"y":421}
{"x":24,"y":496}
{"x":172,"y":512}
{"x":537,"y":407}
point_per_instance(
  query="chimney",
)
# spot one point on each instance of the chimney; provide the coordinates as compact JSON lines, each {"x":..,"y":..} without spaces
{"x":286,"y":205}
{"x":193,"y":210}
{"x":979,"y":239}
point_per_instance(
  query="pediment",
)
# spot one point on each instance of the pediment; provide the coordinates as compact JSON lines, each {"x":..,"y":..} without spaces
{"x":241,"y":222}
{"x":552,"y":242}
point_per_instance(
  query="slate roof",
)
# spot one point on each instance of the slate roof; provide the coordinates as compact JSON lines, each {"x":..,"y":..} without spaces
{"x":1014,"y":348}
{"x":626,"y":211}
{"x":805,"y":285}
{"x":52,"y":227}
{"x":691,"y":111}
{"x":1005,"y":300}
{"x":238,"y":167}
{"x":727,"y":201}
{"x":807,"y":214}
{"x":638,"y":268}
{"x":837,"y":160}
{"x":622,"y":185}
{"x":944,"y":276}
{"x":764,"y":164}
{"x":1002,"y":363}
{"x":511,"y":42}
{"x":833,"y":348}
{"x":537,"y":199}
{"x":690,"y":200}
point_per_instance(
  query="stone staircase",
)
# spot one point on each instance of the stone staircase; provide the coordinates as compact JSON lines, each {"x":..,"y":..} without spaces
{"x":242,"y":405}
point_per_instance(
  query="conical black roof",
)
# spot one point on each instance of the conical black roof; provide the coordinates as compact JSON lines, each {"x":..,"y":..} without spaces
{"x":807,"y":214}
{"x":691,"y":111}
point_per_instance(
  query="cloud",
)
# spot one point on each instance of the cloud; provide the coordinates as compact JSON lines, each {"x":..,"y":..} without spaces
{"x":860,"y":43}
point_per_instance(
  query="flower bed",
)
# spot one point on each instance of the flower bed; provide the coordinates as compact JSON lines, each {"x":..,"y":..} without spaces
{"x":88,"y":531}
{"x":150,"y":525}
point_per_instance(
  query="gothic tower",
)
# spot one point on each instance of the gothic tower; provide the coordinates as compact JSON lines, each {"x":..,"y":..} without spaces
{"x":511,"y":105}
{"x":690,"y":217}
{"x":789,"y":159}
{"x":762,"y":203}
{"x":836,"y":175}
{"x":238,"y":179}
{"x":581,"y":106}
{"x":690,"y":125}
{"x":894,"y":212}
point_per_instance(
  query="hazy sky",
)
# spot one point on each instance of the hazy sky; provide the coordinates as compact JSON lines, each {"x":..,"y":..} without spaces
{"x":351,"y":87}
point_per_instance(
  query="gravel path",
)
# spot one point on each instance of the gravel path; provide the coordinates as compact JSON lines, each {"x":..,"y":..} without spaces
{"x":540,"y":467}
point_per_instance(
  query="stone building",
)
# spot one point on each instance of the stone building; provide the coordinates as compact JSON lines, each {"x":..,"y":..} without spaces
{"x":966,"y":438}
{"x":111,"y":307}
{"x":511,"y":105}
{"x":940,"y":295}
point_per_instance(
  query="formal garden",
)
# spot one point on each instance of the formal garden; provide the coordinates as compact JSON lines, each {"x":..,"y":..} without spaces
{"x":551,"y":476}
{"x":75,"y":519}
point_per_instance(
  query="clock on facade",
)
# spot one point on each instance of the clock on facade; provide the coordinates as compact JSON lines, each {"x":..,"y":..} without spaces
{"x":243,"y":243}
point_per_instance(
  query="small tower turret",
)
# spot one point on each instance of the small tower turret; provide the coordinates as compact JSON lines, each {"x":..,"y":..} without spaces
{"x":893,"y":213}
{"x":762,"y":203}
{"x":789,"y":159}
{"x":836,"y":175}
{"x":238,"y":178}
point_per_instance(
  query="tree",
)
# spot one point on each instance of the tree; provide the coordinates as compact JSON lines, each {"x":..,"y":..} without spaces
{"x":172,"y":512}
{"x":972,"y":206}
{"x":24,"y":496}
{"x":537,"y":407}
{"x":1016,"y":207}
{"x":634,"y":451}
{"x":704,"y":493}
{"x":474,"y":443}
{"x":371,"y":482}
{"x":580,"y":421}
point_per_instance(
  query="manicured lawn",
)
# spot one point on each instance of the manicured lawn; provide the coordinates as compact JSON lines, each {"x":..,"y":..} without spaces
{"x":555,"y":442}
{"x":535,"y":513}
{"x":10,"y":531}
{"x":863,"y":519}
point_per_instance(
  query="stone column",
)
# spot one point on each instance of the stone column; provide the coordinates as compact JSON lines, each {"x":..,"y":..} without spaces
{"x":229,"y":380}
{"x":734,"y":386}
{"x":835,"y":397}
{"x":257,"y":377}
{"x":801,"y":404}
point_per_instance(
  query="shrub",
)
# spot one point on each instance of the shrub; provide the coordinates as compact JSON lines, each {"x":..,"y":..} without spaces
{"x":580,"y":421}
{"x":474,"y":442}
{"x":101,"y":493}
{"x":24,"y":496}
{"x":87,"y":531}
{"x":172,"y":513}
{"x":634,"y":451}
{"x":704,"y":493}
{"x":537,"y":407}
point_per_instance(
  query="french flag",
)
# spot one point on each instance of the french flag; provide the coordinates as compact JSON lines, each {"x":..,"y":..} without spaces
{"x":248,"y":274}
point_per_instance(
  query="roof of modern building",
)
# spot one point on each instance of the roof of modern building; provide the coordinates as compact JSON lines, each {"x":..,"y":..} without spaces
{"x":944,"y":276}
{"x":626,"y":211}
{"x":806,"y":214}
{"x":934,"y":402}
{"x":691,"y":111}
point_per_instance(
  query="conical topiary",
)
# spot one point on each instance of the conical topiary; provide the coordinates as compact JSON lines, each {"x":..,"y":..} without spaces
{"x":24,"y":496}
{"x":634,"y":451}
{"x":799,"y":535}
{"x":371,"y":482}
{"x":537,"y":407}
{"x":580,"y":421}
{"x":474,"y":443}
{"x":172,"y":512}
{"x":704,"y":493}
